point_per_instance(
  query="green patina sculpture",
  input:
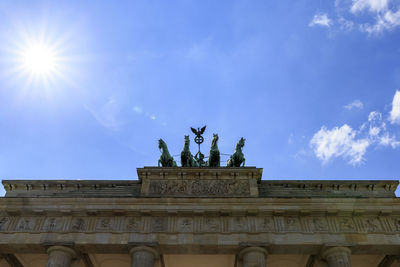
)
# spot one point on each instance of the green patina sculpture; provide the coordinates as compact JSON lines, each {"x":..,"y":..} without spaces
{"x":200,"y":159}
{"x":187,"y":159}
{"x":166,"y":160}
{"x":237,"y":159}
{"x":214,"y":157}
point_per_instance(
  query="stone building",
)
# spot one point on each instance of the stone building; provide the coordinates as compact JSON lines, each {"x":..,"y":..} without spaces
{"x":199,"y":217}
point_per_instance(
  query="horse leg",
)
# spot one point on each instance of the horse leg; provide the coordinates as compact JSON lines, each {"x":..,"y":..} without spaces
{"x":159,"y":161}
{"x":244,"y":160}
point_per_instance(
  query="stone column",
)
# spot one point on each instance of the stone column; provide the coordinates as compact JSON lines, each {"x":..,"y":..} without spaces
{"x":253,"y":257}
{"x":337,"y":257}
{"x":60,"y":256}
{"x":143,"y":256}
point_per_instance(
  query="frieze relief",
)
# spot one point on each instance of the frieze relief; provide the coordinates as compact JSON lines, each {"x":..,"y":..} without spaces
{"x":199,"y":188}
{"x":204,"y":224}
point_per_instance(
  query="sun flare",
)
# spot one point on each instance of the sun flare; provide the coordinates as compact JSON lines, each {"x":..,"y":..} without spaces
{"x":38,"y":59}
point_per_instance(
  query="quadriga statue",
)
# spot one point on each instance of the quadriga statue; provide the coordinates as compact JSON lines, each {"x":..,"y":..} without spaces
{"x":166,"y":160}
{"x":214,"y":157}
{"x":237,"y":159}
{"x":187,"y":159}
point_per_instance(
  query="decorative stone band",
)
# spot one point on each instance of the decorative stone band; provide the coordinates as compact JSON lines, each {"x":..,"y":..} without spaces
{"x":202,"y":224}
{"x":196,"y":188}
{"x":200,"y":182}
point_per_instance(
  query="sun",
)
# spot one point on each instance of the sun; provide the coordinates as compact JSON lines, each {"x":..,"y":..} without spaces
{"x":39,"y":59}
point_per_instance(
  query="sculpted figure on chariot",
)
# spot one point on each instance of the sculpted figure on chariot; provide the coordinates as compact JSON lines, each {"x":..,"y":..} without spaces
{"x":237,"y":159}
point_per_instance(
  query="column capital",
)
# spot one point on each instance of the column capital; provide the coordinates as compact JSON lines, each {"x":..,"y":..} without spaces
{"x":252,"y":249}
{"x":145,"y":248}
{"x":67,"y":250}
{"x":335,"y":250}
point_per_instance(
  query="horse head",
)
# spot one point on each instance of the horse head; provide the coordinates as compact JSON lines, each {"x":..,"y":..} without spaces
{"x":241,"y":142}
{"x":187,"y":142}
{"x":214,"y":140}
{"x":161,"y":144}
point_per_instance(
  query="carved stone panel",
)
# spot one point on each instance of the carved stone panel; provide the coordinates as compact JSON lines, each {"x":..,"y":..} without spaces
{"x":239,"y":224}
{"x":265,"y":224}
{"x":105,"y":224}
{"x":185,"y":224}
{"x":133,"y":224}
{"x":79,"y":224}
{"x":372,"y":224}
{"x":159,"y":224}
{"x":53,"y":224}
{"x":319,"y":224}
{"x":26,"y":224}
{"x":292,"y":224}
{"x":4,"y":222}
{"x":346,"y":224}
{"x":199,"y":188}
{"x":211,"y":224}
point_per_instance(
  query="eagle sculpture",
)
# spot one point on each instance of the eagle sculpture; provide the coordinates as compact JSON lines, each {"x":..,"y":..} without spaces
{"x":198,"y":132}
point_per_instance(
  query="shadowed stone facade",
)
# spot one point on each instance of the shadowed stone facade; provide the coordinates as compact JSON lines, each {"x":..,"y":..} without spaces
{"x":174,"y":217}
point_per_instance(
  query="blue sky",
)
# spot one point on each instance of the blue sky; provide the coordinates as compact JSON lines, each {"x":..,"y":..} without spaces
{"x":311,"y":85}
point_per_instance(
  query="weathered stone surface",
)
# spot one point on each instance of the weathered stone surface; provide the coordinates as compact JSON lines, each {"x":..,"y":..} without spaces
{"x":284,"y":217}
{"x":337,"y":257}
{"x":60,"y":256}
{"x":200,"y":182}
{"x":253,"y":257}
{"x":143,"y":256}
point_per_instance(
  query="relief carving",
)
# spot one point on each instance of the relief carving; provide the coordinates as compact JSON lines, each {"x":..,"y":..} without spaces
{"x":103,"y":224}
{"x":52,"y":224}
{"x":159,"y":224}
{"x":25,"y":224}
{"x":185,"y":225}
{"x":320,"y":224}
{"x":239,"y":224}
{"x":346,"y":224}
{"x":3,"y":223}
{"x":200,"y":187}
{"x":133,"y":224}
{"x":211,"y":225}
{"x":372,"y":225}
{"x":78,"y":224}
{"x":266,"y":224}
{"x":292,"y":224}
{"x":396,"y":222}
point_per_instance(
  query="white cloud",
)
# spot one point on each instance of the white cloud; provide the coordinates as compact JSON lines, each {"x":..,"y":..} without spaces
{"x":371,"y":5}
{"x":345,"y":24}
{"x":374,"y":116}
{"x":320,"y":19}
{"x":370,"y":16}
{"x":387,"y":140}
{"x":395,"y":112}
{"x":355,"y":104}
{"x":393,"y":18}
{"x":339,"y":142}
{"x":350,"y":144}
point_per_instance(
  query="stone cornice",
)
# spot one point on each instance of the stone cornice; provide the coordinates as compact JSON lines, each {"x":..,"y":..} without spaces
{"x":201,"y":182}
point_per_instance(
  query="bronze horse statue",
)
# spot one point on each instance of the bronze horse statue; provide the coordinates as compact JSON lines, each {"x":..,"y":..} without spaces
{"x":214,"y":159}
{"x":166,"y":160}
{"x":237,"y":159}
{"x":187,"y":159}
